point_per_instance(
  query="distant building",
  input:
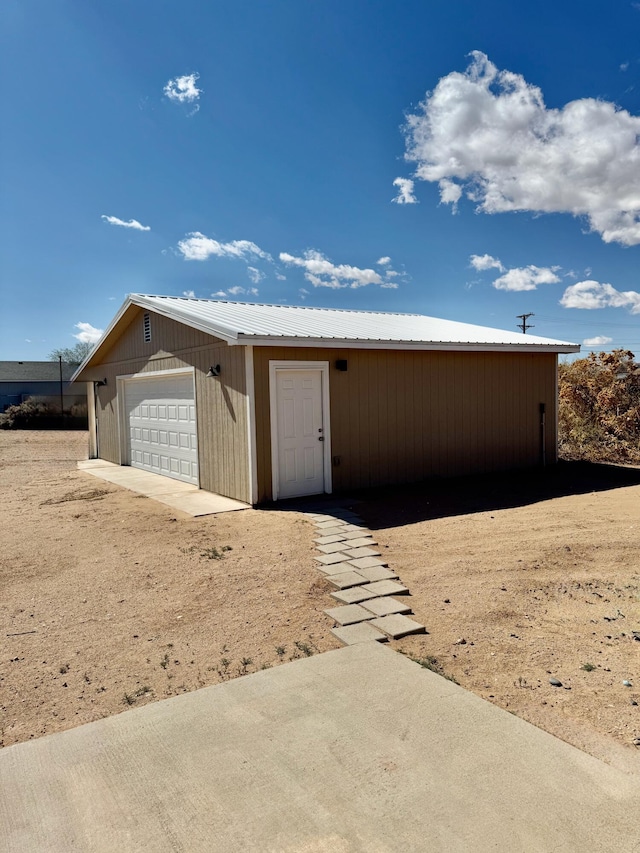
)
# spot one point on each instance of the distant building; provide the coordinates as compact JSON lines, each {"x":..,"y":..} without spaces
{"x":22,"y":380}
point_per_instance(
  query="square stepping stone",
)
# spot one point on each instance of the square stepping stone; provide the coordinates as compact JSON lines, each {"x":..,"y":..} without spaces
{"x":355,"y":553}
{"x":384,"y":606}
{"x":328,"y":559}
{"x":377,"y":573}
{"x":349,"y":614}
{"x":324,"y":525}
{"x":361,"y":542}
{"x":347,"y":579}
{"x":319,"y":517}
{"x":354,"y":595}
{"x":397,"y":626}
{"x":362,"y":633}
{"x":330,"y":531}
{"x":356,"y":534}
{"x":387,"y":588}
{"x":355,"y":528}
{"x":337,"y":569}
{"x":327,"y":540}
{"x":331,"y":548}
{"x":364,"y":562}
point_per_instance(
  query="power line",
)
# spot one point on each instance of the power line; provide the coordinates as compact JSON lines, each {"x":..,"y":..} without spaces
{"x":569,"y":322}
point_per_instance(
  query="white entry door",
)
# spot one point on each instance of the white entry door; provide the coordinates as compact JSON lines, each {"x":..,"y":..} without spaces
{"x":300,"y":432}
{"x":161,"y":425}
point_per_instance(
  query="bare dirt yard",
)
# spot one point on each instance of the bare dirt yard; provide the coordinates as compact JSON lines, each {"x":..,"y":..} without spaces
{"x":111,"y":600}
{"x":525,"y":577}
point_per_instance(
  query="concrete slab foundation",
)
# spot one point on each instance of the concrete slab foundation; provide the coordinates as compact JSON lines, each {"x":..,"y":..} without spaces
{"x":183,"y":497}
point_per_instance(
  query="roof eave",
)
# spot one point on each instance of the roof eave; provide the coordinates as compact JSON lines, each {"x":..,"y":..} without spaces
{"x":458,"y":346}
{"x":100,"y":344}
{"x":144,"y":302}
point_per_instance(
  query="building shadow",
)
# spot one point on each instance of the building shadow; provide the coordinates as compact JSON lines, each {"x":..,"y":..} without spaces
{"x":396,"y":506}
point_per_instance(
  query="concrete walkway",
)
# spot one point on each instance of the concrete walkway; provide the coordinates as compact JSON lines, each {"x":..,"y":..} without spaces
{"x":357,"y":749}
{"x":174,"y":493}
{"x":348,"y":556}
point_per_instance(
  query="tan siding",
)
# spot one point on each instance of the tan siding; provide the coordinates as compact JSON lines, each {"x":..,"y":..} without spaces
{"x":401,"y":416}
{"x":221,"y":402}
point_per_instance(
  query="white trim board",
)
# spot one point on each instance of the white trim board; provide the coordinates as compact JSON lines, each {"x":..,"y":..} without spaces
{"x":252,"y":447}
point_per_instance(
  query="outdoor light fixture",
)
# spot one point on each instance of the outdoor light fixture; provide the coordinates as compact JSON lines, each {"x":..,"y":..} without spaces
{"x":214,"y":371}
{"x":100,"y":382}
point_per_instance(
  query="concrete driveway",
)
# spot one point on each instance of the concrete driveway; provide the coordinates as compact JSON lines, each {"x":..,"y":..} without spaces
{"x":358,"y":749}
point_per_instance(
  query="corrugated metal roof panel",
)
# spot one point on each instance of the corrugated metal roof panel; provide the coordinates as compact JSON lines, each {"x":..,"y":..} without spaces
{"x":242,"y":321}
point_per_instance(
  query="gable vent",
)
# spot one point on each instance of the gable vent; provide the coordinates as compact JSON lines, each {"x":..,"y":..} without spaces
{"x":147,"y":328}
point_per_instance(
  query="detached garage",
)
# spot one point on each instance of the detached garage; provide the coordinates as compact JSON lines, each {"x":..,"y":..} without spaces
{"x":266,"y":402}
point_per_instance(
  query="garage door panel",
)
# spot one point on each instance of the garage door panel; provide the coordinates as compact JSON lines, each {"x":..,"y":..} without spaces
{"x":161,"y":416}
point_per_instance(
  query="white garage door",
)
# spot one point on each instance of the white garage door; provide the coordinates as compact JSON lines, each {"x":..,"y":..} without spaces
{"x":161,"y":421}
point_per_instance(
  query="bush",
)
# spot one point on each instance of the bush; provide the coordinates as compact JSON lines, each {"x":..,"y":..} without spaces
{"x":36,"y":415}
{"x":599,"y":408}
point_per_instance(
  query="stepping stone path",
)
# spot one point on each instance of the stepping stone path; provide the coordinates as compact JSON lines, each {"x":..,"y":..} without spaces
{"x":349,"y":558}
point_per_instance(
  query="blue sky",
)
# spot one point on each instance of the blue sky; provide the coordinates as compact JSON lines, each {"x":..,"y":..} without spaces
{"x":248,"y":150}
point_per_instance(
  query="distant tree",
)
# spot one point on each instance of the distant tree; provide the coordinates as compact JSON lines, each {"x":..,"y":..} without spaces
{"x":599,"y":407}
{"x":73,"y":355}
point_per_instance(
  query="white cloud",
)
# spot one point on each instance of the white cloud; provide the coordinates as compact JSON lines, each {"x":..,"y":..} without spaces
{"x":281,"y":277}
{"x":487,"y":134}
{"x":624,"y":66}
{"x":303,"y":293}
{"x":190,"y":294}
{"x":485,"y":262}
{"x":239,"y":291}
{"x":405,"y":191}
{"x":593,"y":294}
{"x":526,"y":278}
{"x":255,"y":274}
{"x":384,"y":262}
{"x":321,"y":272}
{"x":219,"y":294}
{"x":598,"y":341}
{"x":390,"y":285}
{"x":88,"y":334}
{"x":132,"y":223}
{"x":197,"y":247}
{"x":183,"y":89}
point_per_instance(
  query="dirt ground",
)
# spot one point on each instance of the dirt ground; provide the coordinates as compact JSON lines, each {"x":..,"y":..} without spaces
{"x":520,"y":579}
{"x":111,"y":600}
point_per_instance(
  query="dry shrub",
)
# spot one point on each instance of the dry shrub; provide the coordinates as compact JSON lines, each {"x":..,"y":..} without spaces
{"x":599,"y":408}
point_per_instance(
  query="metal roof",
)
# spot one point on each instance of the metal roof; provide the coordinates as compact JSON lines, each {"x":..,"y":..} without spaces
{"x":35,"y":371}
{"x":245,"y":323}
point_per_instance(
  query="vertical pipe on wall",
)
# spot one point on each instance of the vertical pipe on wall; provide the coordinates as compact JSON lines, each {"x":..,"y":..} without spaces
{"x":543,"y":435}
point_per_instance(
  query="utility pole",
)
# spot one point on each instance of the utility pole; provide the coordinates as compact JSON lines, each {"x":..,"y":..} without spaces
{"x":61,"y":390}
{"x":524,"y":325}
